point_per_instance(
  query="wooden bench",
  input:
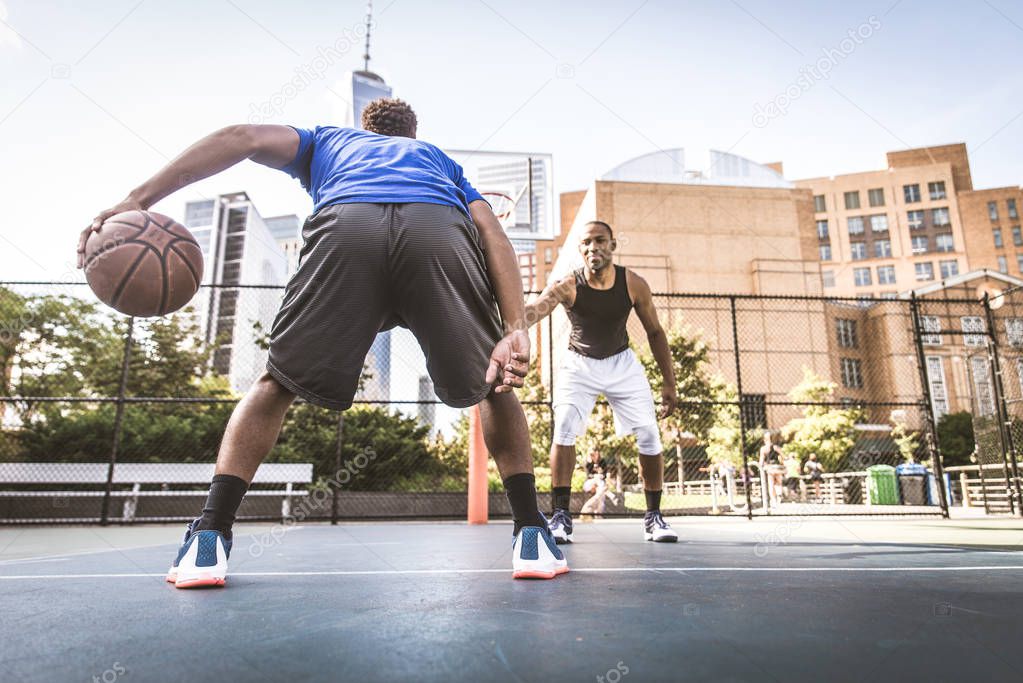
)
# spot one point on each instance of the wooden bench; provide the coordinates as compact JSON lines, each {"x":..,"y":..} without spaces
{"x":140,"y":474}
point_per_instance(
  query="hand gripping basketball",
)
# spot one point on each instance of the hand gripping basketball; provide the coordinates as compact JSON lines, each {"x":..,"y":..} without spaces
{"x":141,"y":263}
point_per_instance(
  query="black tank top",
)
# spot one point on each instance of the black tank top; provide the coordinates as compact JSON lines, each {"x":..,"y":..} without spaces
{"x":599,"y":316}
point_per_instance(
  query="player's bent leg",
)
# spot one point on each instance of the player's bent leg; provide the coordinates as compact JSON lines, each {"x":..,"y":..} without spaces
{"x":251,"y":432}
{"x":535,"y":555}
{"x":651,"y":467}
{"x":568,"y":424}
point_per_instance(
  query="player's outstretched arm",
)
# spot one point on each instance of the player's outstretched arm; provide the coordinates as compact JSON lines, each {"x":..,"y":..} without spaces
{"x":269,"y":145}
{"x":509,"y":362}
{"x":643,"y":301}
{"x":560,"y":292}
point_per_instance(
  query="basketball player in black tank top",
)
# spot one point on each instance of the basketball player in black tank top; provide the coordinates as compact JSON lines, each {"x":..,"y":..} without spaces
{"x":598,"y":299}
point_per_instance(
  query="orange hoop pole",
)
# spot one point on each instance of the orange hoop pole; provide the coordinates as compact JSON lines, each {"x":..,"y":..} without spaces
{"x":478,"y":458}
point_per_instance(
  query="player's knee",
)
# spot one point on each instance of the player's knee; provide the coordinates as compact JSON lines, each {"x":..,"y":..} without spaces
{"x":567,"y":425}
{"x":648,"y":440}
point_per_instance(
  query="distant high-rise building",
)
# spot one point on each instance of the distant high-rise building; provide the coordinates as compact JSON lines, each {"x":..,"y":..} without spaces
{"x":287,"y":230}
{"x":238,"y":248}
{"x":427,"y":411}
{"x":363,"y":87}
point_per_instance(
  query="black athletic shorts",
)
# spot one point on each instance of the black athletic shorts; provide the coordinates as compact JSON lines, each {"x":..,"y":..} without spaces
{"x":365,"y":268}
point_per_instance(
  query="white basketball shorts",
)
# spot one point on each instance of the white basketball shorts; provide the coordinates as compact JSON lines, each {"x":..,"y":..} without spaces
{"x":620,"y":378}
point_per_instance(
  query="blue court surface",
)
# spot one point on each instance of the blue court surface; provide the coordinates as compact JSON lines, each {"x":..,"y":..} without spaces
{"x":783,"y":599}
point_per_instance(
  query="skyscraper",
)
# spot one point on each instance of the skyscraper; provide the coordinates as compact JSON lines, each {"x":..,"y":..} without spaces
{"x":238,"y":248}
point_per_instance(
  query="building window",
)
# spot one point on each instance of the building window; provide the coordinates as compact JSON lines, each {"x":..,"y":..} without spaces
{"x":997,"y":233}
{"x":1017,"y":236}
{"x":1019,"y":262}
{"x":944,"y":243}
{"x":882,"y":249}
{"x":1003,"y":264}
{"x":936,"y":190}
{"x":1014,"y":331}
{"x":916,"y":220}
{"x":939,"y":217}
{"x":198,"y":214}
{"x":858,"y":250}
{"x":931,"y":324}
{"x":828,"y":278}
{"x":818,"y":203}
{"x":548,"y":255}
{"x":855,"y":224}
{"x":754,"y":411}
{"x":886,"y":275}
{"x":982,"y":384}
{"x":889,"y":295}
{"x":822,"y":230}
{"x":861,"y":276}
{"x":879,"y":223}
{"x":973,"y":323}
{"x":1011,"y":204}
{"x":949,"y":269}
{"x":846,"y":331}
{"x":876,"y":196}
{"x":992,"y":210}
{"x":936,"y":380}
{"x":921,"y":244}
{"x":852,"y":200}
{"x":1019,"y":371}
{"x":923,"y":271}
{"x":825,"y":250}
{"x":852,"y":377}
{"x":911,"y":193}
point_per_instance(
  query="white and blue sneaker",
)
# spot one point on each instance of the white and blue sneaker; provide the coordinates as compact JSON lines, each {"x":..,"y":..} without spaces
{"x":201,"y":560}
{"x":560,"y":525}
{"x":656,"y":529}
{"x":535,"y":555}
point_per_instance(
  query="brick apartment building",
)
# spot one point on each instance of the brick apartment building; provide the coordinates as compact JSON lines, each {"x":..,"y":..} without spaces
{"x":741,"y":228}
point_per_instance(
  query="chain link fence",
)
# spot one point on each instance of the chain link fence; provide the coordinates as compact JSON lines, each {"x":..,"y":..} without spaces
{"x":107,"y":418}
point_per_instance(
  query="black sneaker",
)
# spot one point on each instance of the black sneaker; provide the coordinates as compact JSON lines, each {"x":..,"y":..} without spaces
{"x":656,"y":529}
{"x":560,"y":525}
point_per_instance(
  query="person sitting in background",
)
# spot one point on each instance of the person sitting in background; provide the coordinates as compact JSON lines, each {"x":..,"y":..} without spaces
{"x":815,"y":470}
{"x":595,"y":484}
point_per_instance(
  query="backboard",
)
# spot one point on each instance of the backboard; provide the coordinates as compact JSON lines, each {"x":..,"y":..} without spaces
{"x":518,"y":185}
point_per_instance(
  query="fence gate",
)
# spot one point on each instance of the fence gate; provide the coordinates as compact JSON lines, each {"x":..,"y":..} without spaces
{"x":989,"y":436}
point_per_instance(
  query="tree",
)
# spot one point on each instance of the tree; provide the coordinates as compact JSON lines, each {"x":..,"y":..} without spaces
{"x":698,"y":387}
{"x":907,"y":441}
{"x":955,"y":438}
{"x":708,"y":405}
{"x":827,"y":431}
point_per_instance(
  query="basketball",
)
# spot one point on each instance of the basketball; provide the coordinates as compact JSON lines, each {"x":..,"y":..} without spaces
{"x":143,"y":263}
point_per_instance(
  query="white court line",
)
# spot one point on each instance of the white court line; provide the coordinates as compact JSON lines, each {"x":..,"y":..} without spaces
{"x":592,"y":570}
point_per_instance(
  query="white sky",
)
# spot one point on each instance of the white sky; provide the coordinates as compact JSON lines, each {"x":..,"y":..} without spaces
{"x":96,"y":94}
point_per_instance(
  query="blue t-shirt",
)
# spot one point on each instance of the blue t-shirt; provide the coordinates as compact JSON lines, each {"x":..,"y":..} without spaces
{"x":346,"y":165}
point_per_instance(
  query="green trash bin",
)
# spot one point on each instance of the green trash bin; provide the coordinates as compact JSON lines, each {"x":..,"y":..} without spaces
{"x":882,"y":486}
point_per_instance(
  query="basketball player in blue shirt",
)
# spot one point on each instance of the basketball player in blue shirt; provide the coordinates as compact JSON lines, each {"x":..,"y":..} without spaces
{"x":397,"y":236}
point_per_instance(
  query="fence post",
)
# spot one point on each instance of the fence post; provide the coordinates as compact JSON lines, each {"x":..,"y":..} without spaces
{"x":335,"y":480}
{"x":1002,"y":410}
{"x":742,"y":413}
{"x":930,"y":424}
{"x":115,"y":447}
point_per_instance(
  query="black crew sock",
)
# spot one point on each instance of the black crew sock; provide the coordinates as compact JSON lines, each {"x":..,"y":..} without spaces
{"x":226,"y":493}
{"x":521,"y":491}
{"x":561,"y":497}
{"x":653,"y":500}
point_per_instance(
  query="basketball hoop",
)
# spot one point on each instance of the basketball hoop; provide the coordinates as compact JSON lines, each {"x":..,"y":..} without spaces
{"x":500,"y":203}
{"x":994,"y":294}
